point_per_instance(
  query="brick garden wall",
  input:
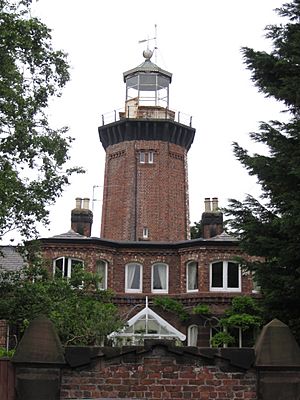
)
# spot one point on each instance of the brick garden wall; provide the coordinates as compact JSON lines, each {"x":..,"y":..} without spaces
{"x":7,"y":380}
{"x":160,"y":373}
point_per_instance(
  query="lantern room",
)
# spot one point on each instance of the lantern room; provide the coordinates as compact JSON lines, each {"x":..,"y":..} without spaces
{"x":147,"y":90}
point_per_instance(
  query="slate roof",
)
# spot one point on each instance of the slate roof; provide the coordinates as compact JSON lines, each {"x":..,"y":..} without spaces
{"x":10,"y":258}
{"x":69,"y":235}
{"x":72,"y":237}
{"x":223,"y":237}
{"x":147,"y":66}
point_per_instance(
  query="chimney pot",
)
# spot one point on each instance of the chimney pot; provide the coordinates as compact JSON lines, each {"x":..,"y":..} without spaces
{"x":207,"y":207}
{"x":86,"y":203}
{"x":78,"y":202}
{"x":215,"y":205}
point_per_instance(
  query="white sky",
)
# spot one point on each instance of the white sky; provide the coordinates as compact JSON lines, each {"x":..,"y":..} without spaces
{"x":199,"y":42}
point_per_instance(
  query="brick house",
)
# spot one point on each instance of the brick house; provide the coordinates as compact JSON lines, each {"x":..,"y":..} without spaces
{"x":144,"y":249}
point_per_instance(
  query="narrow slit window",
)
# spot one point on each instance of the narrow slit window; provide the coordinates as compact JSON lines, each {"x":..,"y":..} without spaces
{"x":145,"y":233}
{"x":142,"y":157}
{"x":150,"y":157}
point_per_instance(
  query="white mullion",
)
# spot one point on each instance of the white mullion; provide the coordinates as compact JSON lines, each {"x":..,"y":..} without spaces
{"x":225,"y":275}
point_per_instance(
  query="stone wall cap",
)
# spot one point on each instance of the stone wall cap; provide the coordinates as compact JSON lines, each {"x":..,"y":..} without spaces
{"x":40,"y":344}
{"x":277,"y":347}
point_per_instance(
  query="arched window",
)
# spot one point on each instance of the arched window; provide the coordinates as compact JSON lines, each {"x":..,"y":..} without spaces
{"x":160,"y":278}
{"x":133,"y":278}
{"x":192,"y":335}
{"x":225,"y":276}
{"x":192,"y":276}
{"x":64,"y":266}
{"x":101,"y":270}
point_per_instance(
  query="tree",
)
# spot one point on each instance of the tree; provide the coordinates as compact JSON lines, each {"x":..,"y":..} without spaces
{"x":244,"y":314}
{"x":81,"y":313}
{"x":270,"y":227}
{"x":196,"y":230}
{"x":32,"y":154}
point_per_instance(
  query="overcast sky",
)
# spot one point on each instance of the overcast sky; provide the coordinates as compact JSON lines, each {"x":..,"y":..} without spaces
{"x":199,"y":42}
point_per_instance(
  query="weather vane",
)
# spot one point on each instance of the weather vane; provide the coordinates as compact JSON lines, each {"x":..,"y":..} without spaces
{"x":147,"y":52}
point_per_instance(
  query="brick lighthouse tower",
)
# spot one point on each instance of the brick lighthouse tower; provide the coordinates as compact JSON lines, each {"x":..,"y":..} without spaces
{"x":145,"y":193}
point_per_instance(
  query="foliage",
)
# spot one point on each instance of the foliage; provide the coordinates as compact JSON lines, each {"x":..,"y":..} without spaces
{"x":175,"y":306}
{"x":244,"y":305}
{"x":221,"y":338}
{"x":270,"y":227}
{"x":6,"y":353}
{"x":196,"y":230}
{"x":172,"y":305}
{"x":81,"y":313}
{"x":201,"y":309}
{"x":244,"y":313}
{"x":32,"y":154}
{"x":243,"y":321}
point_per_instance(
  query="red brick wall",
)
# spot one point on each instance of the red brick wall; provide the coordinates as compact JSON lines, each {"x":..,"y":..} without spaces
{"x":159,"y":375}
{"x":7,"y":380}
{"x":138,"y":195}
{"x":176,"y":259}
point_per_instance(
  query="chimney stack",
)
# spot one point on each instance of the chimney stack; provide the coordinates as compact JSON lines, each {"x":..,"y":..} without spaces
{"x":82,"y":217}
{"x":212,"y":218}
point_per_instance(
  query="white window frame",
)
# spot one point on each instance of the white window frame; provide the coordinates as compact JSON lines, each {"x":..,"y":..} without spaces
{"x":64,"y":266}
{"x":151,"y":157}
{"x":103,"y":282}
{"x":189,"y":335}
{"x":127,"y":289}
{"x":166,"y":290}
{"x":187,"y":277}
{"x":225,"y":287}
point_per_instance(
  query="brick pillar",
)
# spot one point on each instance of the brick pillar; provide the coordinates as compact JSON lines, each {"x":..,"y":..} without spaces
{"x":277,"y":363}
{"x":38,"y":361}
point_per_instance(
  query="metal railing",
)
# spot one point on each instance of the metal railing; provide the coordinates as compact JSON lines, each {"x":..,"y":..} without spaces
{"x":146,"y":112}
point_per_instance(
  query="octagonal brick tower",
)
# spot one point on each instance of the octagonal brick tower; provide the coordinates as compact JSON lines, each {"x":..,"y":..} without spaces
{"x":145,"y":193}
